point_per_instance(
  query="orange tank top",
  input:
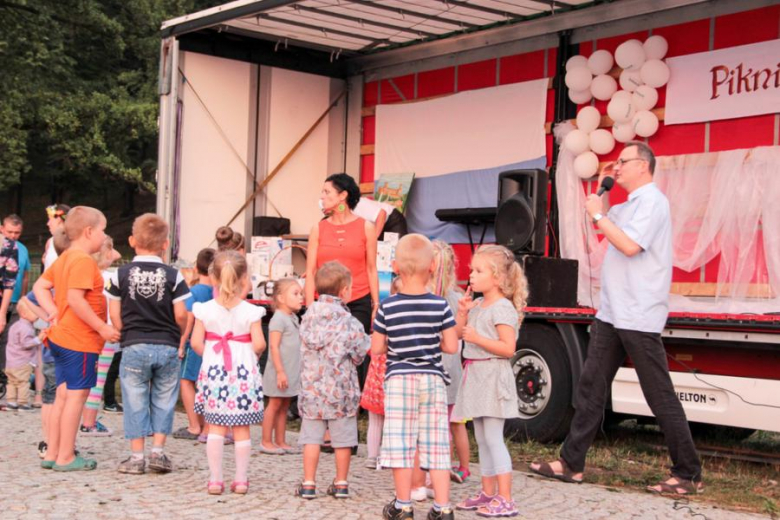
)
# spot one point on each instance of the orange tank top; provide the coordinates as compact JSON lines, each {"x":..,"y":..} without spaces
{"x":346,"y":243}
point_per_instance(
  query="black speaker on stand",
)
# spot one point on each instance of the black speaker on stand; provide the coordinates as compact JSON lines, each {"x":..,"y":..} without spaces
{"x":521,"y":219}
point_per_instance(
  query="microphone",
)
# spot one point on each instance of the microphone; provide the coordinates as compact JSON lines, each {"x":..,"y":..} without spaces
{"x":606,"y":184}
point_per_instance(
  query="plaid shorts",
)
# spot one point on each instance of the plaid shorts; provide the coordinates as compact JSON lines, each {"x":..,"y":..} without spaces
{"x":415,"y":418}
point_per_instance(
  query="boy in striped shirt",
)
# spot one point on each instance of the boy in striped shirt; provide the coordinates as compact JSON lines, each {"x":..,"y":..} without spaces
{"x":413,"y":327}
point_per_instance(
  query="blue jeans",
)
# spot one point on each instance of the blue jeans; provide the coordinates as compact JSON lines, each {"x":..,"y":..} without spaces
{"x":149,"y":375}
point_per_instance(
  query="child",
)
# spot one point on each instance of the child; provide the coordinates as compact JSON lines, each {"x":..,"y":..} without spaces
{"x":147,"y":304}
{"x":373,"y":398}
{"x":487,"y":390}
{"x":414,"y":327}
{"x":90,"y":426}
{"x":202,"y":292}
{"x":228,"y":334}
{"x":334,"y":344}
{"x":78,"y":335}
{"x":21,"y":352}
{"x":283,"y":369}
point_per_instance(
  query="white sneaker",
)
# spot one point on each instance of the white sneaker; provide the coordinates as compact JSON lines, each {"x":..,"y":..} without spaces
{"x":419,"y":494}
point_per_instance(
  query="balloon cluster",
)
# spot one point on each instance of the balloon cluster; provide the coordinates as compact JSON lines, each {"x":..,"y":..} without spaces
{"x":631,"y":98}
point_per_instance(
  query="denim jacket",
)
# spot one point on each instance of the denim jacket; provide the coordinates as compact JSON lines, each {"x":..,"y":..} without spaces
{"x":333,"y":343}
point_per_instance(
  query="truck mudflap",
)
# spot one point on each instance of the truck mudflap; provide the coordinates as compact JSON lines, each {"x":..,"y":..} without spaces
{"x":722,"y":400}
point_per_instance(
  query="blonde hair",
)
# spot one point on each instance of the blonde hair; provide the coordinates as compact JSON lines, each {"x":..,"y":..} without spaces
{"x":228,"y":269}
{"x":280,"y":286}
{"x":101,"y":256}
{"x":150,"y":232}
{"x":80,"y":218}
{"x":229,"y":240}
{"x":23,"y":307}
{"x":511,"y":278}
{"x":331,"y":278}
{"x":445,"y":262}
{"x":413,"y":254}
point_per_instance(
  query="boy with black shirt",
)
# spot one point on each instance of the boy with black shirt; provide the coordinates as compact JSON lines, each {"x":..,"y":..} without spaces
{"x":147,"y":306}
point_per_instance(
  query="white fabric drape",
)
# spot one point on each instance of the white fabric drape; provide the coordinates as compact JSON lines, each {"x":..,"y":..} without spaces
{"x":724,"y":205}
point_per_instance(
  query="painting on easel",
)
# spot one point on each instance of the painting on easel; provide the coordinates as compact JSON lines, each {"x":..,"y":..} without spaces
{"x":393,"y":189}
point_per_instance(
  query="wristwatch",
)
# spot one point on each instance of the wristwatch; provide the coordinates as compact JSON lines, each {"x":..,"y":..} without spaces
{"x":597,"y":217}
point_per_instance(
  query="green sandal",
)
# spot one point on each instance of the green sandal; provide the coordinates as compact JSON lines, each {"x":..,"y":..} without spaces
{"x":78,"y":464}
{"x":47,"y":464}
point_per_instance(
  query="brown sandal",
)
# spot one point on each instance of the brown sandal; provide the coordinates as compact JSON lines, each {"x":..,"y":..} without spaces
{"x":682,"y":487}
{"x":567,"y":476}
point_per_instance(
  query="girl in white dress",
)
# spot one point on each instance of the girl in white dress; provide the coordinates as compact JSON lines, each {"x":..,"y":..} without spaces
{"x":228,"y":334}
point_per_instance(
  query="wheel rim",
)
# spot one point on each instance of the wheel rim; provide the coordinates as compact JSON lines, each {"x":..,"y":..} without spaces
{"x":533,"y":381}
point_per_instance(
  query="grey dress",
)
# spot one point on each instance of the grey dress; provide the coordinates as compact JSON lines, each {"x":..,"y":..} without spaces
{"x":487,"y":388}
{"x":290,"y":350}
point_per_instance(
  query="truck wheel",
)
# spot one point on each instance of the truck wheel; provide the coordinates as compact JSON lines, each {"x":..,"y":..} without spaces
{"x":544,"y":386}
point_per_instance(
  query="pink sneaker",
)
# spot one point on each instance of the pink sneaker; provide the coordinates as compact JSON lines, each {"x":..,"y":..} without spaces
{"x":470,"y":504}
{"x":498,"y":507}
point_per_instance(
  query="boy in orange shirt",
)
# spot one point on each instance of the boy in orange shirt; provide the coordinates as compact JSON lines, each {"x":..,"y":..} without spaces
{"x":78,"y":311}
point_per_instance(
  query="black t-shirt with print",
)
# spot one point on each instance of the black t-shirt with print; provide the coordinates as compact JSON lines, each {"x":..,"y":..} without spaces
{"x":148,"y":289}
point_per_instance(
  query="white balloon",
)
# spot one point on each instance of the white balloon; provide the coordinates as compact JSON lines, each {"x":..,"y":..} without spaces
{"x":602,"y":87}
{"x":630,"y":55}
{"x":601,"y":141}
{"x":579,"y":78}
{"x":623,"y":132}
{"x":622,"y":94}
{"x":656,"y":47}
{"x":588,"y":119}
{"x":620,"y":109}
{"x":576,"y":62}
{"x":630,"y":80}
{"x":600,"y":62}
{"x":655,"y":73}
{"x":645,"y":123}
{"x":577,"y":142}
{"x":580,"y":97}
{"x":645,"y":98}
{"x":586,"y":165}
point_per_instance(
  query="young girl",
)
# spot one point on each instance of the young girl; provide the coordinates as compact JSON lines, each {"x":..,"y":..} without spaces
{"x":90,"y":426}
{"x":283,"y":369}
{"x":373,"y":398}
{"x":229,"y":336}
{"x":487,"y":389}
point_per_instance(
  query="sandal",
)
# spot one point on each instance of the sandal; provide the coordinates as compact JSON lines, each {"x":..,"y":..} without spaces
{"x":185,"y":434}
{"x":338,"y":490}
{"x":546,"y":470}
{"x":239,"y":488}
{"x":215,"y":488}
{"x":680,"y":487}
{"x":78,"y":464}
{"x":497,"y":507}
{"x":307,"y":491}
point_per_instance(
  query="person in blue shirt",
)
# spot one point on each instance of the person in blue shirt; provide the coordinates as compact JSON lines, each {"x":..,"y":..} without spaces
{"x":190,"y":366}
{"x":12,"y":230}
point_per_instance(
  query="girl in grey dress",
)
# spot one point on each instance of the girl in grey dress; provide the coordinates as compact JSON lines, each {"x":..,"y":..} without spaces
{"x":281,"y":379}
{"x":487,"y":393}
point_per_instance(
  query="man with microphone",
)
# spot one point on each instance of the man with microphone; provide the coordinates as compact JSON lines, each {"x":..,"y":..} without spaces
{"x":635,"y":281}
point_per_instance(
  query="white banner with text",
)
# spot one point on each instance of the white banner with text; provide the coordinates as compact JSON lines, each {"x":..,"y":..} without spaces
{"x":725,"y":84}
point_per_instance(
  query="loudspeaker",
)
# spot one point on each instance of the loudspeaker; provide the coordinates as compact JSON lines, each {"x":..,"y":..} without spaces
{"x":552,"y":282}
{"x":270,"y":226}
{"x":521,"y":219}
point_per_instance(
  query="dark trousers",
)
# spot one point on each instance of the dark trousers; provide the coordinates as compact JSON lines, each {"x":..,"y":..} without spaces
{"x":361,"y":309}
{"x":109,"y":389}
{"x":607,"y":350}
{"x":10,"y":318}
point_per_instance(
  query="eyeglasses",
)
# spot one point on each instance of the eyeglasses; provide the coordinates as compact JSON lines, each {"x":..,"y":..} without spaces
{"x":621,"y":162}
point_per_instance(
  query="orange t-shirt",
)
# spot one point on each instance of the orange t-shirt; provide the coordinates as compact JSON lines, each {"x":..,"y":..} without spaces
{"x":75,"y":269}
{"x":347,"y":244}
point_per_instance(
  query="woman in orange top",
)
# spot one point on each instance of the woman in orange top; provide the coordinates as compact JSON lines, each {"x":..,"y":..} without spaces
{"x":347,"y":238}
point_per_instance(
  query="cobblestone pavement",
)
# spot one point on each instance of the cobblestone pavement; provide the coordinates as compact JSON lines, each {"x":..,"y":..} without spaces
{"x":34,"y":493}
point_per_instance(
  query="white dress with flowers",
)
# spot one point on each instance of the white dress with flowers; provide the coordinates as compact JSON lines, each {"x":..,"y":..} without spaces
{"x":230,"y":387}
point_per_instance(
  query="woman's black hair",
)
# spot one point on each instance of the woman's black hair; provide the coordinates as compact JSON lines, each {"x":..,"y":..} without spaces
{"x":343,"y":182}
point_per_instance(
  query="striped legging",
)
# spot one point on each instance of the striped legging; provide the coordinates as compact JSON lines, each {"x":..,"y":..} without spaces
{"x":104,"y":362}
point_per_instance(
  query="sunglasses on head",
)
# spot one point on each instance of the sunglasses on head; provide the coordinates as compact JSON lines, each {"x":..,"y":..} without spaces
{"x":54,"y":211}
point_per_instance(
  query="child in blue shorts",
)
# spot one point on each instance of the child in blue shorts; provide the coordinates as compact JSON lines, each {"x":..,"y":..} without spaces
{"x":201,"y":292}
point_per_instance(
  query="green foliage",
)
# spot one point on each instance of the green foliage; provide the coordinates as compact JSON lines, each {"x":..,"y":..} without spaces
{"x":78,"y":90}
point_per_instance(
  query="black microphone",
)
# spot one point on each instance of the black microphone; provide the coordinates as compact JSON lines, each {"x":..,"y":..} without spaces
{"x":606,"y":185}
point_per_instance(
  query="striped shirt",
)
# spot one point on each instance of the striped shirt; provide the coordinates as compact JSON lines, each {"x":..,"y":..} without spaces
{"x":413,"y":325}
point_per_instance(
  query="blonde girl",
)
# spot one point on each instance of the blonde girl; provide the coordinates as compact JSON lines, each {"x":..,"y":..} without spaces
{"x":283,"y":369}
{"x":228,"y":334}
{"x":489,"y":328}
